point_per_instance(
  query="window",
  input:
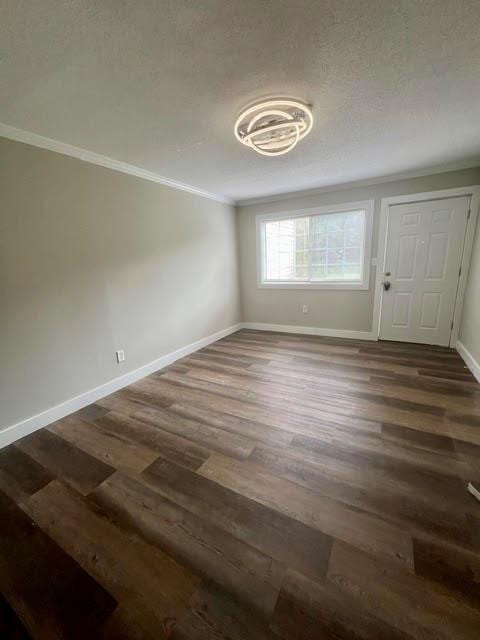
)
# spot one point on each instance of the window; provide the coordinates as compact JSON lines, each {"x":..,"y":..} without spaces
{"x":321,"y":248}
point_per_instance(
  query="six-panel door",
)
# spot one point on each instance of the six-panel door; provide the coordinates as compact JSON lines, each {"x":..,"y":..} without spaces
{"x":423,"y":256}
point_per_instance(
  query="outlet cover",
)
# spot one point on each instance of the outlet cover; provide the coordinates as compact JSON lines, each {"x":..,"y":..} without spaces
{"x":120,"y":355}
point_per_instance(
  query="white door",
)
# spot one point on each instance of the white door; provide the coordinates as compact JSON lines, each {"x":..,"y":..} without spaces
{"x":424,"y":247}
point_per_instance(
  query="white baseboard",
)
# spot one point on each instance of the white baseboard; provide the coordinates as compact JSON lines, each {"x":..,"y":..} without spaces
{"x":312,"y":331}
{"x":16,"y":431}
{"x":469,"y":360}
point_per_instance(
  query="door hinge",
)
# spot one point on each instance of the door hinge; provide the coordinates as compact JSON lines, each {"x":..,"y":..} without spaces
{"x":460,"y":272}
{"x":468,"y":214}
{"x":451,"y":326}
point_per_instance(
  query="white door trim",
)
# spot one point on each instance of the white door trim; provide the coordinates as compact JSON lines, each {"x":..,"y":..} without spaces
{"x":474,"y":193}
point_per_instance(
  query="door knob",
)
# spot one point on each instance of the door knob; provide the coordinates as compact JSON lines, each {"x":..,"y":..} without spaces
{"x":386,"y":285}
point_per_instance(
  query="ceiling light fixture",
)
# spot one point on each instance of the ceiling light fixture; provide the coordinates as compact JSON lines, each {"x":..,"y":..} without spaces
{"x":273,"y":127}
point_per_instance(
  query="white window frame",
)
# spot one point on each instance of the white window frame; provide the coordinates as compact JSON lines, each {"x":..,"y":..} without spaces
{"x":363,"y":284}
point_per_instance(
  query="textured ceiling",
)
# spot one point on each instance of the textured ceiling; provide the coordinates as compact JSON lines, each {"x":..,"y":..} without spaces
{"x":395,"y":84}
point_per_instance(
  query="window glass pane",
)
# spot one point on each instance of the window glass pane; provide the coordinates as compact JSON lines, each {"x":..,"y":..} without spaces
{"x":352,"y":272}
{"x":335,"y":223}
{"x":319,"y":256}
{"x":319,"y":231}
{"x":301,"y":258}
{"x":327,"y":247}
{"x":301,"y":272}
{"x":319,"y":272}
{"x":353,"y":256}
{"x":335,"y":239}
{"x":335,"y":256}
{"x":354,"y":229}
{"x":286,"y":249}
{"x":335,"y":272}
{"x":337,"y":244}
{"x":301,"y":242}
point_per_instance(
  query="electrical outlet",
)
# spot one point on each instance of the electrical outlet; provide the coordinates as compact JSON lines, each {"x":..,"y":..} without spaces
{"x":305,"y":308}
{"x":120,"y":355}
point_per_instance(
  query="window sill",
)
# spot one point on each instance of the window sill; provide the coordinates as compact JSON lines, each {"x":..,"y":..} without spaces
{"x":329,"y":286}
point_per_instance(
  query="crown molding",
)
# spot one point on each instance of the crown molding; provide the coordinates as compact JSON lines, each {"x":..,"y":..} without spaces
{"x":20,"y":135}
{"x":36,"y":140}
{"x":393,"y":177}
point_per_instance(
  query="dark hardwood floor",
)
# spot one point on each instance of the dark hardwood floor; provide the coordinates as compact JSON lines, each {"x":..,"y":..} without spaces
{"x":269,"y":486}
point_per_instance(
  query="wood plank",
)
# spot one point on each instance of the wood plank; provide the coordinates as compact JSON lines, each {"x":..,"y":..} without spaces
{"x":262,"y":405}
{"x":320,"y":512}
{"x":464,"y":432}
{"x":248,"y":428}
{"x":414,"y":511}
{"x":271,"y":532}
{"x":212,"y":437}
{"x":240,"y":569}
{"x":120,"y":403}
{"x":308,"y":610}
{"x":312,"y":396}
{"x":429,"y":385}
{"x":21,"y":475}
{"x":91,"y":412}
{"x":67,"y":604}
{"x":276,"y":416}
{"x":65,"y":461}
{"x":449,"y":565}
{"x":142,"y":578}
{"x":415,"y":468}
{"x":463,"y":376}
{"x":214,"y":614}
{"x":377,"y":364}
{"x":409,"y":603}
{"x":307,"y":442}
{"x":310,"y":371}
{"x":327,"y":361}
{"x":409,"y":388}
{"x":10,"y":626}
{"x":429,"y":441}
{"x":165,"y":444}
{"x":285,"y":377}
{"x":281,"y":342}
{"x":110,"y":447}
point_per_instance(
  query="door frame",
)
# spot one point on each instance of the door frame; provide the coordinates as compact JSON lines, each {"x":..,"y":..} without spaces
{"x":386,"y":203}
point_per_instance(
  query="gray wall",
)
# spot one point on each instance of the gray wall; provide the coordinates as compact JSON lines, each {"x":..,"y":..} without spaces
{"x":470,"y":325}
{"x":92,"y":260}
{"x":352,"y":310}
